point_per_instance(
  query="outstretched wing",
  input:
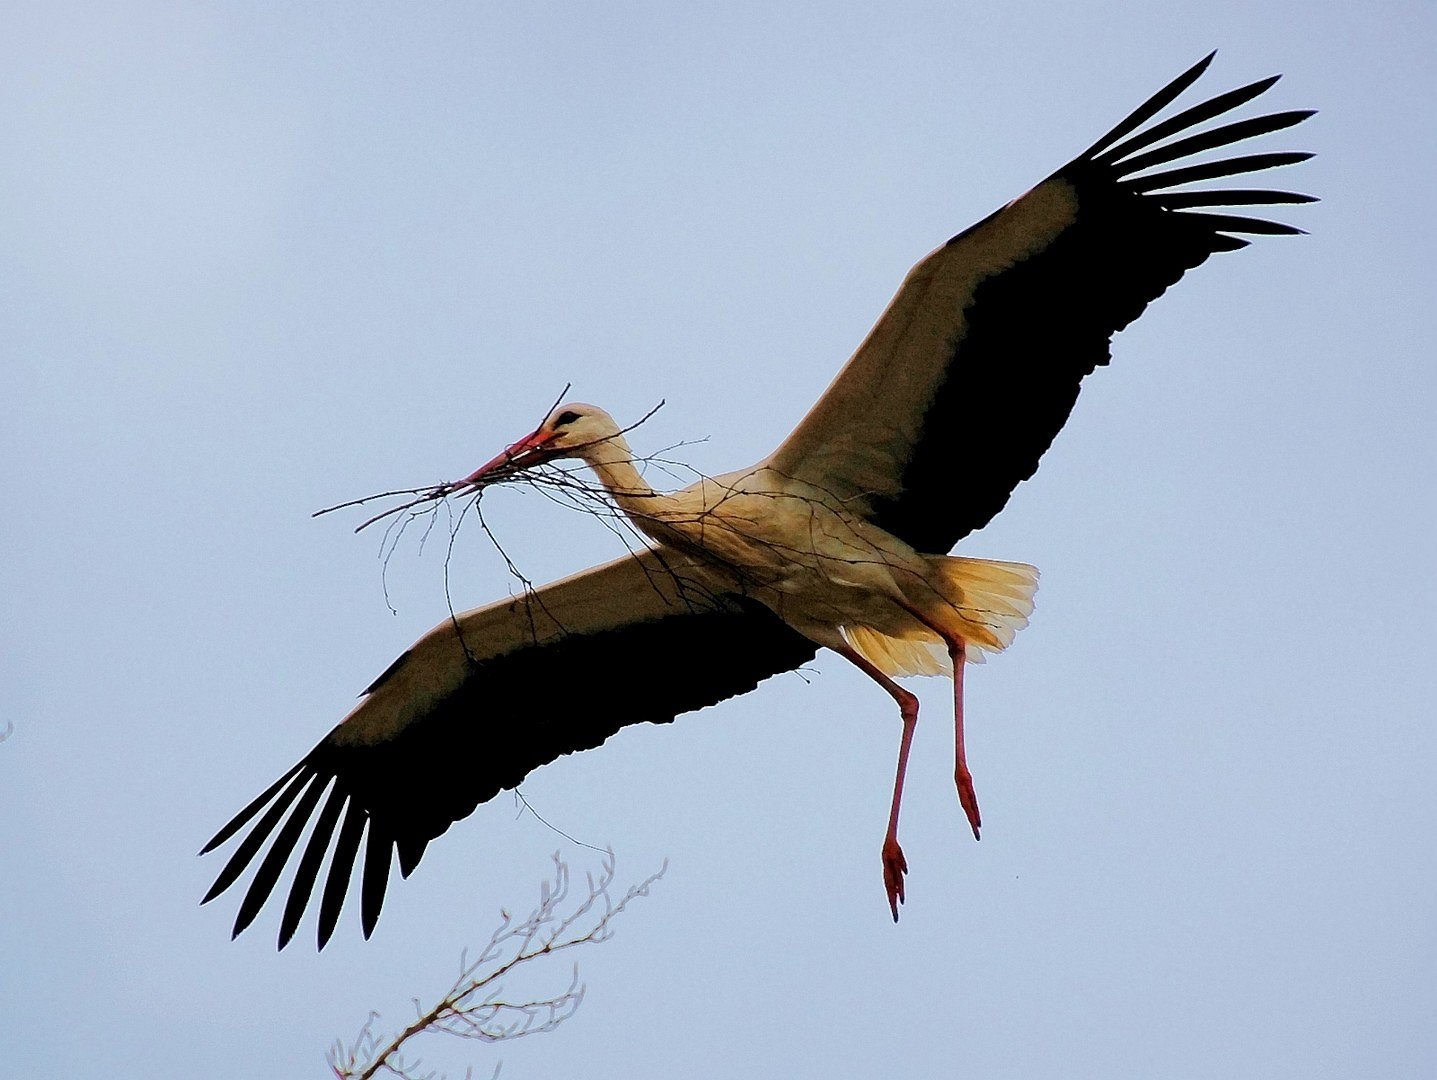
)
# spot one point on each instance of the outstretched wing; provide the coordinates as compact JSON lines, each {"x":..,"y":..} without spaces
{"x":468,"y":712}
{"x":971,"y":372}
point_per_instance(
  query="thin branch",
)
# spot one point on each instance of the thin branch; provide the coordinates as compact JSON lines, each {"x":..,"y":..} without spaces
{"x":476,"y":1006}
{"x":542,"y":820}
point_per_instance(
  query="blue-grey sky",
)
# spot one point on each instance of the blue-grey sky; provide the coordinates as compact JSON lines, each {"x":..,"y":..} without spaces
{"x":257,"y":259}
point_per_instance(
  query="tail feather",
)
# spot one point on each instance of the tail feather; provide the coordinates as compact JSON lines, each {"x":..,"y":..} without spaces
{"x":983,"y":601}
{"x":900,"y":656}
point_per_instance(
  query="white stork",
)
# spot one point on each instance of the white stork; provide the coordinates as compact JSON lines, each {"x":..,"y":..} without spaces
{"x":836,"y":540}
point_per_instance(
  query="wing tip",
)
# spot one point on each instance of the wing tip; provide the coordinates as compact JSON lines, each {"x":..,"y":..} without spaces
{"x":215,"y":891}
{"x":1151,"y":107}
{"x":378,"y":856}
{"x":1124,"y":155}
{"x":240,"y":820}
{"x":1201,"y":66}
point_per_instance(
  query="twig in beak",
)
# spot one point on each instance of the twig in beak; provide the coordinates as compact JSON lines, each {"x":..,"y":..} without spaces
{"x":501,"y":469}
{"x":429,"y":494}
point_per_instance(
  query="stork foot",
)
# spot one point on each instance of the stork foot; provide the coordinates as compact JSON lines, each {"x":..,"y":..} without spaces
{"x":968,"y":799}
{"x":894,"y":867}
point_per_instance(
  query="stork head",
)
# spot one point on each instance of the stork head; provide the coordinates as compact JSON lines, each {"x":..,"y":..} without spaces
{"x":571,"y":430}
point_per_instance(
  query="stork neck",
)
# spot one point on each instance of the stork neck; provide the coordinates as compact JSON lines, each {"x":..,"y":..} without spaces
{"x":613,"y":463}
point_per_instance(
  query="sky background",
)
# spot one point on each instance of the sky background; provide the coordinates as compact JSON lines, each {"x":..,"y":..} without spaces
{"x":257,"y":259}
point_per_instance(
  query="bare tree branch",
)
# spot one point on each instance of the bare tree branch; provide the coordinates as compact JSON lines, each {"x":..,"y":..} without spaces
{"x":476,"y":1006}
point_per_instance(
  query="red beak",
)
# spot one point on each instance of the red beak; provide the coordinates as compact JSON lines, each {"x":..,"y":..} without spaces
{"x":529,"y":451}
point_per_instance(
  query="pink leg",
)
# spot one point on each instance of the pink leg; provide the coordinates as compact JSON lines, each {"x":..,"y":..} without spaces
{"x":962,"y":778}
{"x":967,"y":797}
{"x":894,"y":864}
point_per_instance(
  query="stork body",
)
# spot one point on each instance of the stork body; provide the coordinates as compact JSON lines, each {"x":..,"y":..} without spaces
{"x":838,"y":539}
{"x":796,"y":549}
{"x":827,"y":573}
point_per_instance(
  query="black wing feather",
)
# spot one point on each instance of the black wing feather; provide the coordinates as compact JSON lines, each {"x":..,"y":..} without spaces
{"x":309,"y":864}
{"x":341,"y":865}
{"x":1236,"y":223}
{"x":278,"y":854}
{"x":1035,"y":330}
{"x":1213,"y":170}
{"x":468,"y":748}
{"x":237,"y":822}
{"x":1188,"y":118}
{"x":410,"y":850}
{"x":1178,"y":200}
{"x":376,"y":873}
{"x":249,"y":847}
{"x":1150,"y":108}
{"x":1220,"y":136}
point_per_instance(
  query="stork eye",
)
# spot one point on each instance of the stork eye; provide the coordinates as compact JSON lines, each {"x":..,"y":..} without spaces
{"x":565,"y":418}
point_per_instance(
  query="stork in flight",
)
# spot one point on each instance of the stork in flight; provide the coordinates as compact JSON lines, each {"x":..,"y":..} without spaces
{"x":835,"y":540}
